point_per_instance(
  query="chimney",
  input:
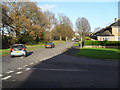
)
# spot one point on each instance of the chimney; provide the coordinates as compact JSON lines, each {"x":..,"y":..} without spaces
{"x":116,"y":19}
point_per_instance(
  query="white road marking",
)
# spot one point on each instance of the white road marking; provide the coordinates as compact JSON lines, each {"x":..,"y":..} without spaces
{"x":19,"y":72}
{"x":55,"y":54}
{"x":28,"y":69}
{"x":31,"y":63}
{"x":47,"y":57}
{"x":36,"y":61}
{"x":50,"y":57}
{"x":44,"y":58}
{"x":9,"y":72}
{"x":7,"y":77}
{"x":19,"y":68}
{"x":25,"y":66}
{"x":1,"y":75}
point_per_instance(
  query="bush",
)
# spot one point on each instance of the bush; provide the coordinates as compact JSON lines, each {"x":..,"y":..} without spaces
{"x":89,"y":42}
{"x":113,"y":43}
{"x":27,"y":39}
{"x":43,"y":41}
{"x":7,"y":41}
{"x":87,"y":38}
{"x":102,"y":43}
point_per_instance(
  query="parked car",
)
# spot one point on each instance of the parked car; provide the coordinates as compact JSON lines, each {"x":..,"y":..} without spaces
{"x":49,"y":45}
{"x":72,"y":39}
{"x":18,"y":50}
{"x":77,"y":40}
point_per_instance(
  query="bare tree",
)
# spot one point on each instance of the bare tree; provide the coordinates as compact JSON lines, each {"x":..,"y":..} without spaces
{"x":52,"y":23}
{"x":97,"y":29}
{"x":82,"y":27}
{"x":64,"y":28}
{"x":64,"y":20}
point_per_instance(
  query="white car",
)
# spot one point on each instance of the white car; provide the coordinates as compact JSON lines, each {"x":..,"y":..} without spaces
{"x":18,"y":50}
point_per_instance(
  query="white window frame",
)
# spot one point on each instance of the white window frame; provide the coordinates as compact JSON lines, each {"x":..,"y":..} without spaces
{"x":106,"y":38}
{"x":119,"y":29}
{"x":119,"y":39}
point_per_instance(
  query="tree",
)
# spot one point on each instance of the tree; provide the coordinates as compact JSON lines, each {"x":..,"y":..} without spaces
{"x":27,"y":19}
{"x":97,"y":29}
{"x":6,"y":20}
{"x":64,"y":28}
{"x":52,"y":23}
{"x":83,"y":26}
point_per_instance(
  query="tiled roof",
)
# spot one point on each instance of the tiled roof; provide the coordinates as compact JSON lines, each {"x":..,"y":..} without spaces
{"x":116,"y":23}
{"x":105,"y":33}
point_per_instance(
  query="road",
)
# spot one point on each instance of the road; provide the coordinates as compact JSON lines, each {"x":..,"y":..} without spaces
{"x":53,"y":68}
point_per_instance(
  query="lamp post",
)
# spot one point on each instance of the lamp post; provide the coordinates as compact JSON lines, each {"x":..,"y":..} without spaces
{"x":81,"y":43}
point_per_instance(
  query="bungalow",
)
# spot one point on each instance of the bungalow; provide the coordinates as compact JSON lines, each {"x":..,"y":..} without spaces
{"x":110,"y":33}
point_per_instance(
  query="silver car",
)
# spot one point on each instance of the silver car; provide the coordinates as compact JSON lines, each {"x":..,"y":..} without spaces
{"x":18,"y":50}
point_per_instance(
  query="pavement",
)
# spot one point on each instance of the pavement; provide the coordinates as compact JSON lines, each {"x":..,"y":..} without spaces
{"x":63,"y":70}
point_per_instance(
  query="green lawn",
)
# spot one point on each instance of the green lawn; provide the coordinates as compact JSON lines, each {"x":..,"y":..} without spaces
{"x":103,"y":53}
{"x":29,"y":47}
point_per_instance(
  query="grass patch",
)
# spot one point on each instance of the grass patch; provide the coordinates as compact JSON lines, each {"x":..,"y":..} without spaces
{"x":76,"y":44}
{"x":29,"y":47}
{"x":103,"y":53}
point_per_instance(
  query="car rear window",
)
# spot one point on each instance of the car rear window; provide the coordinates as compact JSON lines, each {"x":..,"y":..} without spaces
{"x":18,"y":46}
{"x":48,"y":43}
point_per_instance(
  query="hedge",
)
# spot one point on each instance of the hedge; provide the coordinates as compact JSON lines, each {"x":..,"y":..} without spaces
{"x":87,"y":38}
{"x":102,"y":43}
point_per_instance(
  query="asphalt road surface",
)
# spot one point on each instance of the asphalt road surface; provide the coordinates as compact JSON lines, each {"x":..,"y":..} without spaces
{"x":53,"y":68}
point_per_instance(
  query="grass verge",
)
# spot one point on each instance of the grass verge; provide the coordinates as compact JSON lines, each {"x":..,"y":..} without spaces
{"x":102,"y":53}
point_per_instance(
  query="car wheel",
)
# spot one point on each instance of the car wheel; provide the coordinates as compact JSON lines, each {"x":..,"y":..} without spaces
{"x":25,"y":54}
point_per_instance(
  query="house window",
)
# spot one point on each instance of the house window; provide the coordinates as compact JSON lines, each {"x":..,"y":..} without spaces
{"x":118,"y":29}
{"x":118,"y":39}
{"x":106,"y":39}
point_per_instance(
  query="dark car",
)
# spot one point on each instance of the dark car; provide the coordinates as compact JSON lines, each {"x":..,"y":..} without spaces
{"x":49,"y":45}
{"x":18,"y":50}
{"x":77,"y":40}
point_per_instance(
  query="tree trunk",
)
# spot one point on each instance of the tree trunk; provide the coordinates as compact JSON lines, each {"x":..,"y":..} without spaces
{"x":60,"y":38}
{"x":66,"y":38}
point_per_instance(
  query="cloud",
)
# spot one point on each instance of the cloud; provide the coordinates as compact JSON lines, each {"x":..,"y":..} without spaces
{"x":47,"y":7}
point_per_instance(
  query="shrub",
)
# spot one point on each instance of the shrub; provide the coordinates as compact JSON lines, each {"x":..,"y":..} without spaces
{"x":102,"y":43}
{"x":89,"y":42}
{"x":87,"y":38}
{"x":113,"y":43}
{"x":7,"y":42}
{"x":27,"y":39}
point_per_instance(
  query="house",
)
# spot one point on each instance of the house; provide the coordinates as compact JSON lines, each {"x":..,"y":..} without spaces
{"x":110,"y":33}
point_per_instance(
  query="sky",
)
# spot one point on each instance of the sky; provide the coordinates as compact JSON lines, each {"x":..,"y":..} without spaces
{"x":99,"y":14}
